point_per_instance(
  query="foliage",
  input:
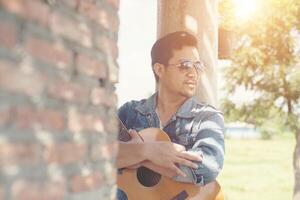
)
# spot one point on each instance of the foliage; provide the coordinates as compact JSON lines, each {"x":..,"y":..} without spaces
{"x":226,"y":17}
{"x":266,"y":60}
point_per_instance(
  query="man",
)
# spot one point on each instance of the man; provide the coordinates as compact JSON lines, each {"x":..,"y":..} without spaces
{"x":196,"y":151}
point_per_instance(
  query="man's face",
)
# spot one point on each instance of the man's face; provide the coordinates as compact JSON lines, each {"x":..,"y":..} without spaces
{"x":180,"y":80}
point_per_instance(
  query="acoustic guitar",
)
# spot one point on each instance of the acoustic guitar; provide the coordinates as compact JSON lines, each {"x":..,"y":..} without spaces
{"x":144,"y":183}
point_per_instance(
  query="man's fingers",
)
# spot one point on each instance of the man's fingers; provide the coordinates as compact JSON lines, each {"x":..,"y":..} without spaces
{"x":190,"y":156}
{"x":186,"y":163}
{"x":178,"y":171}
{"x":168,"y":173}
{"x":161,"y":170}
{"x":179,"y":147}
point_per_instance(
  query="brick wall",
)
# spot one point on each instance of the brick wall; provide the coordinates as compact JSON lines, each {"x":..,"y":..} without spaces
{"x":57,"y":100}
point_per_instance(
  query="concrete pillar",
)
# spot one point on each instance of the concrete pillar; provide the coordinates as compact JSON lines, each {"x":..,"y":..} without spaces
{"x":201,"y":18}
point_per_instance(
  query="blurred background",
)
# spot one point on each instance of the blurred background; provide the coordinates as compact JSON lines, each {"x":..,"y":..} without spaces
{"x":258,"y":88}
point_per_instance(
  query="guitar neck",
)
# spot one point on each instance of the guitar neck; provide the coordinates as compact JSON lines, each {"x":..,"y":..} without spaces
{"x":124,"y":135}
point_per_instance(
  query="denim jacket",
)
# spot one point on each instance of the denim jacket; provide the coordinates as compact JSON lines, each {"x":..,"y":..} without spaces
{"x":197,"y":126}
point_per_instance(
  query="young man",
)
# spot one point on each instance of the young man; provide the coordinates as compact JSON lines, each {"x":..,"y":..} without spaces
{"x":196,"y":151}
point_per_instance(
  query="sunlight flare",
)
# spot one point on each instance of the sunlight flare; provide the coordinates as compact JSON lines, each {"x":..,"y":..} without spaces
{"x":244,"y":9}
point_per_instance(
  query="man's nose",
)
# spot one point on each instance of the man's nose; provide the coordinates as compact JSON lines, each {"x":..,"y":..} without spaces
{"x":192,"y":72}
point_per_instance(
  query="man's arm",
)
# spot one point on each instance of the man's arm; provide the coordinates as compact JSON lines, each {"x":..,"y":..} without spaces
{"x":129,"y":154}
{"x":158,"y":156}
{"x":209,"y":143}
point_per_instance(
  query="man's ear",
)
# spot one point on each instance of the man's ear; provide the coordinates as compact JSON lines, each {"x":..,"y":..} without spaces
{"x":158,"y":69}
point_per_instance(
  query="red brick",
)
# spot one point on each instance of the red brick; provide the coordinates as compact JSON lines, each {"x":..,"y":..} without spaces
{"x":68,"y":91}
{"x":115,"y":23}
{"x":84,"y":122}
{"x":90,"y":66}
{"x":19,"y":81}
{"x":111,"y":126}
{"x":33,"y":10}
{"x":18,"y":154}
{"x":25,"y":118}
{"x":51,"y":119}
{"x":26,"y":190}
{"x":71,"y":3}
{"x":104,"y":19}
{"x":89,"y":9}
{"x":98,"y":96}
{"x":101,"y":96}
{"x":65,"y":153}
{"x":72,"y":29}
{"x":108,"y":46}
{"x":37,"y":11}
{"x":1,"y":192}
{"x":52,"y":53}
{"x":82,"y":183}
{"x":109,"y":173}
{"x":14,"y":6}
{"x":30,"y":118}
{"x":108,"y":20}
{"x":114,"y":3}
{"x":106,"y":151}
{"x":8,"y":36}
{"x":5,"y":116}
{"x":91,"y":123}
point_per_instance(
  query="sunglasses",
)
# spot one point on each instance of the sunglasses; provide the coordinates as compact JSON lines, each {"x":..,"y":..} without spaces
{"x":185,"y":65}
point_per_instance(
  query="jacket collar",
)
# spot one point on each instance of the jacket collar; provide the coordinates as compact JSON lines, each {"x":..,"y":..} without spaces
{"x":188,"y":109}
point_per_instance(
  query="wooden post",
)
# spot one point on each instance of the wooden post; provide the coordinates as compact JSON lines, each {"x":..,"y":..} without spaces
{"x":201,"y":18}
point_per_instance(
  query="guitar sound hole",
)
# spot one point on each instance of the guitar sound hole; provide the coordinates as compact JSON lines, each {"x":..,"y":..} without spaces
{"x":147,"y":177}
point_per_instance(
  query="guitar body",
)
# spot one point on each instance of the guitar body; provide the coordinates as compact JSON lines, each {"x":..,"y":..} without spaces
{"x":145,"y":184}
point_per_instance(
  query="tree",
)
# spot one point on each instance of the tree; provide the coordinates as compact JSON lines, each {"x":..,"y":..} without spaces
{"x":266,"y":61}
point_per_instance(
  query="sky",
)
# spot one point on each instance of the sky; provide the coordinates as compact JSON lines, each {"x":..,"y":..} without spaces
{"x":137,"y":34}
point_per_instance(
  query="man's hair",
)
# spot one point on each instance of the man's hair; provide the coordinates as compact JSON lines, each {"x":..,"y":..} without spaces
{"x":162,"y":50}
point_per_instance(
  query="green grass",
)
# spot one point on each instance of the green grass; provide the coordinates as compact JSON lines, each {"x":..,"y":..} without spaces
{"x":258,"y":169}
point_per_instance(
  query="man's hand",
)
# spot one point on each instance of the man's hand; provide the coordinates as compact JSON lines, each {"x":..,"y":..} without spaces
{"x":167,"y":154}
{"x":164,"y":155}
